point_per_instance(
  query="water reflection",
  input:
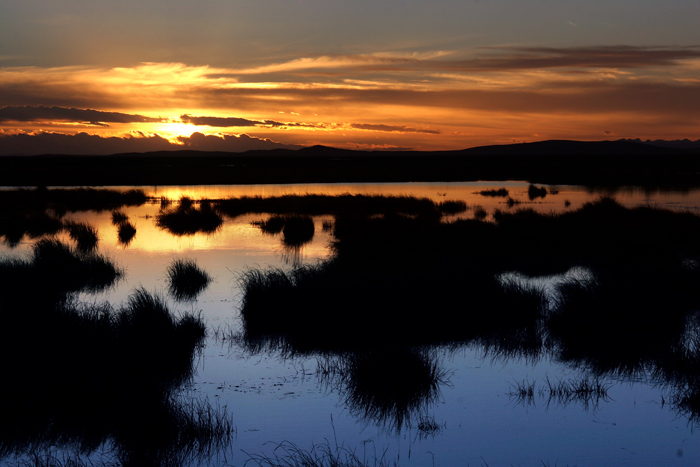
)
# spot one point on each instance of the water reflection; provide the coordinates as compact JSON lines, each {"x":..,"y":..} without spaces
{"x":407,"y":280}
{"x":392,"y":388}
{"x":87,"y":376}
{"x":399,"y":282}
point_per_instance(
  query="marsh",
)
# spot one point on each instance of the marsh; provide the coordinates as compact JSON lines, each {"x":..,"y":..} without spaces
{"x":397,"y":311}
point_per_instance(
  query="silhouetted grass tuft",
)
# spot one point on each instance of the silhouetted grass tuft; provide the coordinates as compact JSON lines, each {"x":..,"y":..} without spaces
{"x":119,"y":217}
{"x":510,"y":202}
{"x":501,"y":192}
{"x":186,"y":219}
{"x":388,"y":386}
{"x":165,"y":202}
{"x":298,"y":230}
{"x":272,"y":226}
{"x":84,"y":235}
{"x":287,"y":454}
{"x":452,"y":207}
{"x":479,"y":213}
{"x":126,"y":233}
{"x":534,"y":192}
{"x":187,"y":280}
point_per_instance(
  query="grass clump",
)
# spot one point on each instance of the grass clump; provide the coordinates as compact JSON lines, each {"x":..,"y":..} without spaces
{"x":452,"y":207}
{"x":126,"y":233}
{"x":296,"y":230}
{"x":119,"y":218}
{"x":59,"y":270}
{"x":186,"y":279}
{"x":187,"y":219}
{"x":388,"y":386}
{"x":99,"y":378}
{"x":501,"y":192}
{"x":84,"y":235}
{"x":534,"y":192}
{"x":287,"y":454}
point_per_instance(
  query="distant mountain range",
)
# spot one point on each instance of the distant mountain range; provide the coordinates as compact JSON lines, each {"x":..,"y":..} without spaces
{"x":676,"y":143}
{"x":609,"y":163}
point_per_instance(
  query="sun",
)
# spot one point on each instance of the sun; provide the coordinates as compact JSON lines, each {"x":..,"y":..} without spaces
{"x":174,"y":129}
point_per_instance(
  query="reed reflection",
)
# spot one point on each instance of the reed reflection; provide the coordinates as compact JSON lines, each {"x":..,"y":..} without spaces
{"x":401,"y":282}
{"x":88,"y":377}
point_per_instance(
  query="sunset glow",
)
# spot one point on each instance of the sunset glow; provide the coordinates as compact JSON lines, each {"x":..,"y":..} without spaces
{"x":601,"y":76}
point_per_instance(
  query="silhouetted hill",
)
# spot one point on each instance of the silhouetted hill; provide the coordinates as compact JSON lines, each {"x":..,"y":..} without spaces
{"x":556,"y":162}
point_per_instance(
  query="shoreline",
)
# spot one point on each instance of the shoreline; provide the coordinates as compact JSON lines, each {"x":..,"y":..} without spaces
{"x":609,"y":164}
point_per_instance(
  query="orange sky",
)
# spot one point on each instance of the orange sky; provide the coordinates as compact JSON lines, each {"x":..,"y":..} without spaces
{"x":499,"y":82}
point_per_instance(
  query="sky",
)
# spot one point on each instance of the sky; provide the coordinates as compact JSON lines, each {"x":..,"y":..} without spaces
{"x":101,"y":77}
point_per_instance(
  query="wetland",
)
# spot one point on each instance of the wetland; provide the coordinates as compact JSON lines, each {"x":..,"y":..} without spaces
{"x":480,"y":323}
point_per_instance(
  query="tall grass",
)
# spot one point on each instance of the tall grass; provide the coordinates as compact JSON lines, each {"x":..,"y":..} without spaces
{"x":391,"y":387}
{"x":502,"y":192}
{"x":325,"y":454}
{"x":54,"y":270}
{"x":534,"y":192}
{"x":118,"y":217}
{"x":126,"y":233}
{"x":83,"y":234}
{"x":187,"y":219}
{"x":99,"y":377}
{"x":186,"y":279}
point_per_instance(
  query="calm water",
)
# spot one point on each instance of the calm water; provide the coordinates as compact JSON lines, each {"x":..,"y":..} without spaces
{"x":478,"y":418}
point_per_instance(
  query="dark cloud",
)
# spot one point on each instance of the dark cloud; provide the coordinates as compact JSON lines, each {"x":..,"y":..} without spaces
{"x":392,"y":128}
{"x":585,"y":57}
{"x":221,"y":122}
{"x":230,"y":143}
{"x":580,"y":97}
{"x":52,"y":114}
{"x":85,"y":144}
{"x":78,"y":144}
{"x":225,"y":122}
{"x":503,"y":59}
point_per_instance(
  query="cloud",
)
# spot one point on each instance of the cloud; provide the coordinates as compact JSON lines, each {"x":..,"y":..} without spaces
{"x":53,"y":114}
{"x":230,"y":143}
{"x":86,"y":144}
{"x":392,"y":128}
{"x":485,"y":59}
{"x":227,"y":122}
{"x":221,"y":122}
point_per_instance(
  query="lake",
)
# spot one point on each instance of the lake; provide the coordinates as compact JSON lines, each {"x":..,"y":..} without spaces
{"x":486,"y":407}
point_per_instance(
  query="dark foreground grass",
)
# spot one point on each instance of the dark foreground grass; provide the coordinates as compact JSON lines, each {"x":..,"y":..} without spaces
{"x":98,"y":378}
{"x":53,"y":271}
{"x":588,"y":392}
{"x":288,"y":454}
{"x":186,"y":279}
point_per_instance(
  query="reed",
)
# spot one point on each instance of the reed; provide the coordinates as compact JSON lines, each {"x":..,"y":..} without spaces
{"x":126,"y":233}
{"x":118,"y":217}
{"x":186,"y":219}
{"x":534,"y":192}
{"x":501,"y":192}
{"x":288,"y":454}
{"x":84,"y":235}
{"x":186,"y":279}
